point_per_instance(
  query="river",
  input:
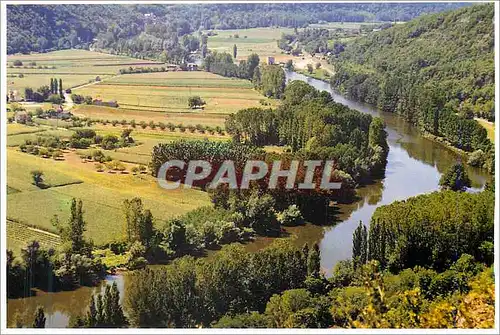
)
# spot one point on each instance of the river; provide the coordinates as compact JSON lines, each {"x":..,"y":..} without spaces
{"x":414,"y":167}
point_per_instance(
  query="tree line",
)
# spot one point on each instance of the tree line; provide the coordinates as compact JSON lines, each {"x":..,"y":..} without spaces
{"x":315,"y":127}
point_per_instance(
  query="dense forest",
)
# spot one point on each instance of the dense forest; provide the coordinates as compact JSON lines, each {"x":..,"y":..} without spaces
{"x":437,"y":71}
{"x":147,"y":28}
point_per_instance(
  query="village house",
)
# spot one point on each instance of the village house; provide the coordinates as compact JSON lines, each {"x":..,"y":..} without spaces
{"x":58,"y":112}
{"x":14,"y":96}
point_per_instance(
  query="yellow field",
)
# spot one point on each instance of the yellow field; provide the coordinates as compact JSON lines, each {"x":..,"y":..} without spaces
{"x":262,"y":41}
{"x":74,"y":67}
{"x":490,"y":128}
{"x":186,"y":118}
{"x":169,"y":92}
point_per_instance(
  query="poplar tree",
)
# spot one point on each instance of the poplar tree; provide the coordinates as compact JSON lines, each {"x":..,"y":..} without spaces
{"x":313,"y":261}
{"x":360,"y":245}
{"x":40,"y":319}
{"x":60,"y":88}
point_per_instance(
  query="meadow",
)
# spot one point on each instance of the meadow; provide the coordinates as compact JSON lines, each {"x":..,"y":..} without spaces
{"x":262,"y":41}
{"x":169,"y":92}
{"x":74,"y":67}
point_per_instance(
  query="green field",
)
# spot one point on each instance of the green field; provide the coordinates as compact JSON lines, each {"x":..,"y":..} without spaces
{"x":74,"y":67}
{"x":262,"y":41}
{"x":102,"y":192}
{"x":169,"y":92}
{"x":186,"y":118}
{"x":18,"y":234}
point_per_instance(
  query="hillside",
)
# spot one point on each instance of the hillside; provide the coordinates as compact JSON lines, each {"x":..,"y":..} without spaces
{"x":55,"y":27}
{"x":436,"y":71}
{"x":448,"y":56}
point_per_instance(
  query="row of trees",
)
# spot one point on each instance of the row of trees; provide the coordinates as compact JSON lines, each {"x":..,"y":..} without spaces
{"x":52,"y":93}
{"x":222,"y":63}
{"x":56,"y":87}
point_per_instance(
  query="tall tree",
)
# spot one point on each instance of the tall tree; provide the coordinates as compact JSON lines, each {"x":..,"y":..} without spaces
{"x":235,"y":51}
{"x":54,"y":91}
{"x":455,"y":178}
{"x":72,"y":233}
{"x":360,"y":245}
{"x":39,"y":321}
{"x":313,"y":261}
{"x":60,"y":88}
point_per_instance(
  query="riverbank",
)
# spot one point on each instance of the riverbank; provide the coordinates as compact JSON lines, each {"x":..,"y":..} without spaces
{"x":489,"y":126}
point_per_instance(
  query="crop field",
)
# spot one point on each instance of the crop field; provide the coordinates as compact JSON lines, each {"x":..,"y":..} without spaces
{"x":74,"y":67}
{"x":262,"y":41}
{"x":18,"y":234}
{"x":146,"y":140}
{"x":102,"y":194}
{"x":17,"y":135}
{"x":170,"y":91}
{"x":109,"y":113}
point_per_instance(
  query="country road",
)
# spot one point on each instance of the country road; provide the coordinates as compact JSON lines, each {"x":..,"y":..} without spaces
{"x":69,"y":104}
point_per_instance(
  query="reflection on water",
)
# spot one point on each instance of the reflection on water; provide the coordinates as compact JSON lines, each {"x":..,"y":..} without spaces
{"x":58,"y":306}
{"x":414,"y":166}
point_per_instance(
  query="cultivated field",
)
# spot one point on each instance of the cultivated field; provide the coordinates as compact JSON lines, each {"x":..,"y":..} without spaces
{"x":161,"y":97}
{"x":262,"y":41}
{"x":170,"y":91}
{"x":186,"y":118}
{"x":102,"y":192}
{"x":74,"y":67}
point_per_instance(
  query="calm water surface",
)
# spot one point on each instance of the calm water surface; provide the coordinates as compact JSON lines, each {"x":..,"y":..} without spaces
{"x":414,"y":166}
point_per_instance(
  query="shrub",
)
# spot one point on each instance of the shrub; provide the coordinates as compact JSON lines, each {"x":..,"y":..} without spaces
{"x":290,"y":216}
{"x":55,"y":99}
{"x":477,"y":158}
{"x":99,"y":167}
{"x":109,"y":142}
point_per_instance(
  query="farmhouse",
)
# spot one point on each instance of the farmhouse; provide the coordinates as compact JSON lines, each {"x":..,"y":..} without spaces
{"x":59,"y":113}
{"x":14,"y":96}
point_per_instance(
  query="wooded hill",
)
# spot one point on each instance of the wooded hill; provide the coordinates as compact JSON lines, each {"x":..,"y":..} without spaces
{"x":437,"y":71}
{"x":55,"y":27}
